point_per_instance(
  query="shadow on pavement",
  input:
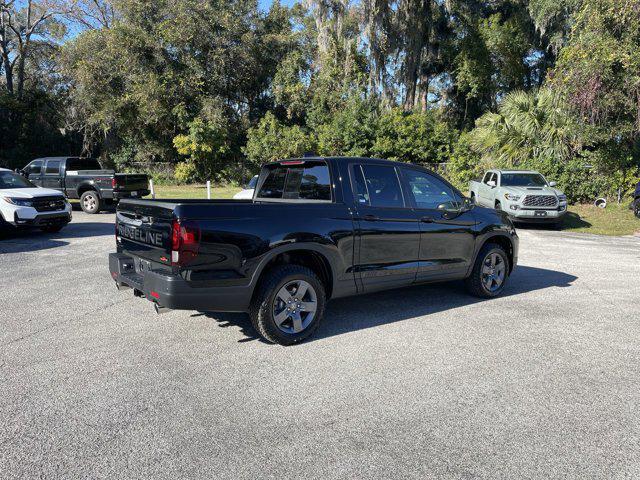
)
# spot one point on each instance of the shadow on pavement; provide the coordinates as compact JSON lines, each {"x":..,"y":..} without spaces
{"x":368,"y":311}
{"x":30,"y":240}
{"x":571,"y":220}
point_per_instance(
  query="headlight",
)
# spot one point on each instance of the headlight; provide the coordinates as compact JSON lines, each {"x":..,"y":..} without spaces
{"x":512,"y":198}
{"x":562,"y":198}
{"x":21,"y":202}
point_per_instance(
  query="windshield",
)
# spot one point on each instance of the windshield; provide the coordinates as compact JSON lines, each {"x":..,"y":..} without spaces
{"x":13,"y":180}
{"x":523,"y":180}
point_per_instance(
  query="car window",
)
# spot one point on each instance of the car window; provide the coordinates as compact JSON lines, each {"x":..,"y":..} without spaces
{"x":52,"y":168}
{"x":377,"y":186}
{"x":304,"y":181}
{"x":523,"y":180}
{"x":82,"y":164}
{"x":486,"y":178}
{"x":253,"y":182}
{"x":429,"y":191}
{"x":34,"y":168}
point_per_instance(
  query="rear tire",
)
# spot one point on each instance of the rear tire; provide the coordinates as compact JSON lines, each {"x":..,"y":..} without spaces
{"x":636,"y":207}
{"x":473,"y":199}
{"x":275,"y":297}
{"x":90,"y":202}
{"x":490,"y":272}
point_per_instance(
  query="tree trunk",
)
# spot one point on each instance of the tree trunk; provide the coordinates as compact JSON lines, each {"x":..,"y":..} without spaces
{"x":417,"y":23}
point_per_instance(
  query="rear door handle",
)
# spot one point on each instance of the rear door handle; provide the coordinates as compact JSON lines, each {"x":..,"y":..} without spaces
{"x":371,"y":218}
{"x":428,"y":220}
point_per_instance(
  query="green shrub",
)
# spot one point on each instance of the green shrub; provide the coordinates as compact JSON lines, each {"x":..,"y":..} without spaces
{"x":186,"y":172}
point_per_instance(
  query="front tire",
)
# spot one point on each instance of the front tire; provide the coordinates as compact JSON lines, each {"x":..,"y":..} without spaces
{"x":90,"y":202}
{"x":490,"y":272}
{"x":288,"y":305}
{"x":636,"y":207}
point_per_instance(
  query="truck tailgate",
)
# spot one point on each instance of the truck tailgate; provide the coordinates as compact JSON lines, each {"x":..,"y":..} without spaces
{"x":132,"y":182}
{"x":144,"y":229}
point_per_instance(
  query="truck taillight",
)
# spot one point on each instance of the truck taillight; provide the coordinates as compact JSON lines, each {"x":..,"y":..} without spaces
{"x":185,"y":242}
{"x":114,"y":182}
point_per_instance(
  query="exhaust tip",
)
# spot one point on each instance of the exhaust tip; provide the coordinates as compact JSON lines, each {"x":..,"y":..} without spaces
{"x":160,"y":309}
{"x":122,"y":286}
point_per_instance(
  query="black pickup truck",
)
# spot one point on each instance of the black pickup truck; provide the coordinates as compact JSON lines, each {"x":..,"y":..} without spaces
{"x":316,"y":229}
{"x":84,"y":178}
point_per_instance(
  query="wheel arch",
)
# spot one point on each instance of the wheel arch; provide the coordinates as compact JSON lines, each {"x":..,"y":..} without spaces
{"x":501,"y":239}
{"x":86,"y":187}
{"x":311,"y":256}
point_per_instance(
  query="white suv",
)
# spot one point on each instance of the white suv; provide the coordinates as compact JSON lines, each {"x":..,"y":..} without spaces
{"x":22,"y":204}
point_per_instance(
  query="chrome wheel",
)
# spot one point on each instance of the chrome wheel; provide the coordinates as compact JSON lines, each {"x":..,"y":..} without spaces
{"x":294,"y":306}
{"x":89,"y":202}
{"x":494,"y":272}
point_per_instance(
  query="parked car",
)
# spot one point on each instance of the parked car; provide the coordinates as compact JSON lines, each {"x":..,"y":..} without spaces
{"x":247,"y":192}
{"x":636,"y":201}
{"x":85,"y":179}
{"x":23,"y":204}
{"x":317,"y":229}
{"x":525,"y":196}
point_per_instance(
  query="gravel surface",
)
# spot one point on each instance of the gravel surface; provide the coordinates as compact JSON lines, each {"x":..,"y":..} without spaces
{"x":425,"y":382}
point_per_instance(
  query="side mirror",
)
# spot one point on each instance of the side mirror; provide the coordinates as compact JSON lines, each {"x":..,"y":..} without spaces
{"x":491,"y":183}
{"x":19,"y":171}
{"x":552,"y":184}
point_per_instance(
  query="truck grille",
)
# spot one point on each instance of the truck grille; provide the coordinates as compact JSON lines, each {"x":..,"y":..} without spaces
{"x":548,"y":201}
{"x":48,"y":204}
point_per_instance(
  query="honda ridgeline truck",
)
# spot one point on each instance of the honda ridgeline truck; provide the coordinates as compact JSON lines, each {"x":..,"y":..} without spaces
{"x":316,"y":229}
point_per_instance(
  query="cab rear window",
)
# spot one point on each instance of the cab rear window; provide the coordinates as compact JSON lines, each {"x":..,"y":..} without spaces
{"x":304,"y":181}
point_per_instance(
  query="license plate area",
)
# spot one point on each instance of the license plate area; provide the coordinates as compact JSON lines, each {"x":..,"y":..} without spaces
{"x":540,"y":213}
{"x":142,"y":266}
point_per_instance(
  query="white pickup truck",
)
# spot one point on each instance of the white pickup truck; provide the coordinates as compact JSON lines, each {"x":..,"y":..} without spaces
{"x":525,"y":196}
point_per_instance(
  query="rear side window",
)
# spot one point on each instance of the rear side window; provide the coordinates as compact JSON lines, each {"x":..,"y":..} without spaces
{"x":82,"y":164}
{"x":307,"y":181}
{"x":53,"y":167}
{"x":377,"y":186}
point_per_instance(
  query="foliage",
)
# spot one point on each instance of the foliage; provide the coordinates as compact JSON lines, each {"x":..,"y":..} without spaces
{"x":531,"y":126}
{"x":418,"y":137}
{"x":272,"y":140}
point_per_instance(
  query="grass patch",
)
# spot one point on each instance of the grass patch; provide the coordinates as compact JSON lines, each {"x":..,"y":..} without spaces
{"x":194,"y":191}
{"x":614,"y":220}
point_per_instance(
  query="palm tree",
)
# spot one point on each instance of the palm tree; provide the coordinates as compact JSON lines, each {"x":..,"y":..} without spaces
{"x":528,"y":126}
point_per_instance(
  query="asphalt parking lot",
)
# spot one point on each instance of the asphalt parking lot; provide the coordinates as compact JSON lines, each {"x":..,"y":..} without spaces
{"x":418,"y":383}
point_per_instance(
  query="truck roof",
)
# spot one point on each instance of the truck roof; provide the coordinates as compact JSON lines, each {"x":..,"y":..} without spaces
{"x":514,"y":171}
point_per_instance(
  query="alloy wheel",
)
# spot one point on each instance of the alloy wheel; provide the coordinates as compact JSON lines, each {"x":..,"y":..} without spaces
{"x":294,"y":306}
{"x":494,"y":272}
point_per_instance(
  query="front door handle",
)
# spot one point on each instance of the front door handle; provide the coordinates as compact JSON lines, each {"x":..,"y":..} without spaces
{"x":428,"y":220}
{"x":371,"y":218}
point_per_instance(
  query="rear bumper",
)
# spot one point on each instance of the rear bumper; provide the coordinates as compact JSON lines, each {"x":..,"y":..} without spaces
{"x":174,"y":292}
{"x":119,"y":195}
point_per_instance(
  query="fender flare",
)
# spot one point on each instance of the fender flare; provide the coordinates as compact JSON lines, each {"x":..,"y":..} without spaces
{"x":326,"y":253}
{"x":483,"y":239}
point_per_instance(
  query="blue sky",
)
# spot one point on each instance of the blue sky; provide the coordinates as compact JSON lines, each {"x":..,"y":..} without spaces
{"x":265,"y":4}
